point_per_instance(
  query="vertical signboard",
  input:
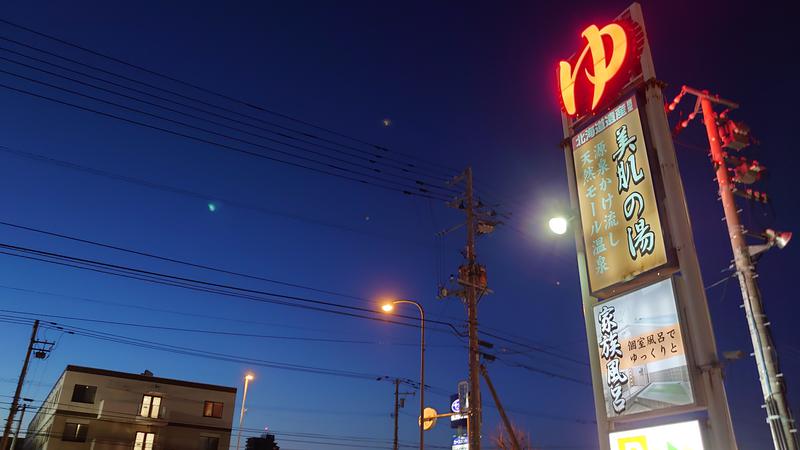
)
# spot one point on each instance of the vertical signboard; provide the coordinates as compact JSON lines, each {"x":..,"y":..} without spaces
{"x":676,"y":436}
{"x":620,"y":220}
{"x":642,"y":353}
{"x":460,"y":442}
{"x":626,"y":189}
{"x":457,"y":419}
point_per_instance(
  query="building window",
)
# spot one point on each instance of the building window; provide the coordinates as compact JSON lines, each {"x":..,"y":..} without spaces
{"x":151,"y":405}
{"x":144,"y":441}
{"x":213,"y":409}
{"x":83,"y":393}
{"x":75,"y":432}
{"x":209,"y":443}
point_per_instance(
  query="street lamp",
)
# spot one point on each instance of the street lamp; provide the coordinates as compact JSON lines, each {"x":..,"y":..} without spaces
{"x":558,"y":225}
{"x":388,"y":307}
{"x":247,"y":379}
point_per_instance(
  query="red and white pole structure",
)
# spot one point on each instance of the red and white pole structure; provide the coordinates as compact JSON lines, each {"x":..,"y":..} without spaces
{"x":778,"y":413}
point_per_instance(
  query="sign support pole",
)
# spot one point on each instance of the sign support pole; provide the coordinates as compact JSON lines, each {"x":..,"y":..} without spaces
{"x":588,"y":302}
{"x":691,"y":295}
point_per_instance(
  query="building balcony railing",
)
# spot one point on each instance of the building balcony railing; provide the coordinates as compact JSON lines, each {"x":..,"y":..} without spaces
{"x":116,"y":412}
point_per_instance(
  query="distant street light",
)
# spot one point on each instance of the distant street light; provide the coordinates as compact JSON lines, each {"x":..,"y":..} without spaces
{"x":387,"y":308}
{"x":558,"y":225}
{"x":247,"y":379}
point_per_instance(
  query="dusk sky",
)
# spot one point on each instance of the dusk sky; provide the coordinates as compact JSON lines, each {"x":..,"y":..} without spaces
{"x":461,"y":85}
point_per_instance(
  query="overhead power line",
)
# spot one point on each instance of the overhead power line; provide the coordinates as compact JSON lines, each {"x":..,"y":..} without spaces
{"x":215,"y":93}
{"x":205,"y":197}
{"x":533,"y":348}
{"x":212,"y":287}
{"x":337,"y":159}
{"x":496,"y":335}
{"x":283,"y":435}
{"x":512,"y":340}
{"x":138,"y":305}
{"x":376,"y":160}
{"x":179,"y":261}
{"x":216,"y":332}
{"x":336,"y":170}
{"x":201,"y":353}
{"x":213,"y":143}
{"x":377,"y":152}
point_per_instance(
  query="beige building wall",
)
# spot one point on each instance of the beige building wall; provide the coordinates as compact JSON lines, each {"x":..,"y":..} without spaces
{"x":113,"y":417}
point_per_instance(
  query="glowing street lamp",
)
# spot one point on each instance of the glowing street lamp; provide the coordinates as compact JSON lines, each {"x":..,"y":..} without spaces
{"x":558,"y":225}
{"x":388,"y":307}
{"x":247,"y":379}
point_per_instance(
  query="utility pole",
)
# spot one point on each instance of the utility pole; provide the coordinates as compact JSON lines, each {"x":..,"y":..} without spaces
{"x":784,"y":432}
{"x":506,"y":422}
{"x":19,"y":425}
{"x":15,"y":401}
{"x":396,"y":409}
{"x":472,"y":278}
{"x":40,"y":353}
{"x":399,"y":402}
{"x":472,"y":321}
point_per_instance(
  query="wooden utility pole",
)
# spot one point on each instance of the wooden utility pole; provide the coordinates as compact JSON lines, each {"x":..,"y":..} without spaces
{"x":396,"y":409}
{"x":18,"y":392}
{"x":19,"y":425}
{"x":399,"y":402}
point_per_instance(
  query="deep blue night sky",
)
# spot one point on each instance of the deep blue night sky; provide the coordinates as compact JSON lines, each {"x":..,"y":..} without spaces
{"x":462,"y":85}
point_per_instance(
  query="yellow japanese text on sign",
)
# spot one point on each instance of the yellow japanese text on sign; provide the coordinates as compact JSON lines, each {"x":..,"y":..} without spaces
{"x":619,"y":216}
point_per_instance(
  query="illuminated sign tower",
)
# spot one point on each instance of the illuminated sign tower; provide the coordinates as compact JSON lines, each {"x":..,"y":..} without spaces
{"x":651,"y":345}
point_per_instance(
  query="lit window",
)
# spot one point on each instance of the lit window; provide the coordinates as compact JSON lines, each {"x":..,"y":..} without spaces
{"x":75,"y":432}
{"x":150,"y":406}
{"x":212,"y":409}
{"x":144,"y":441}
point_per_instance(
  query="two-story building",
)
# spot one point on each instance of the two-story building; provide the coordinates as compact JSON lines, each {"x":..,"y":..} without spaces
{"x":106,"y":410}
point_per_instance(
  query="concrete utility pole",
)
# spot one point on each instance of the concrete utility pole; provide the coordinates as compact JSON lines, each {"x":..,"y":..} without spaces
{"x":778,"y":412}
{"x":471,"y":299}
{"x":472,"y":278}
{"x":15,"y":401}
